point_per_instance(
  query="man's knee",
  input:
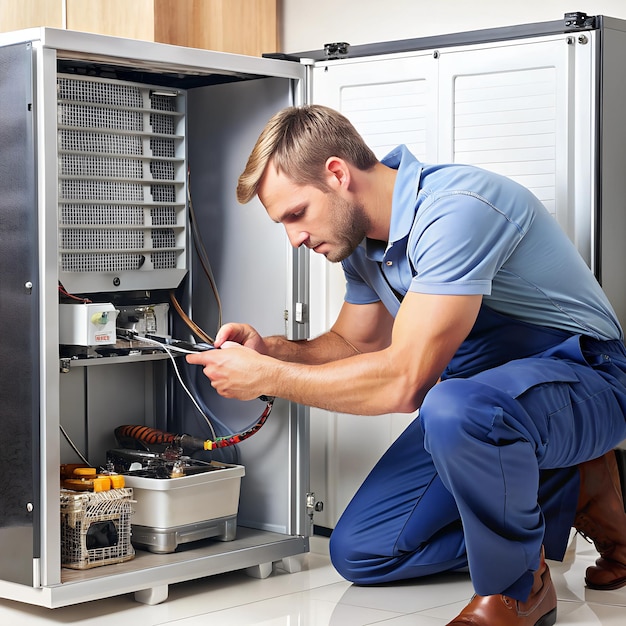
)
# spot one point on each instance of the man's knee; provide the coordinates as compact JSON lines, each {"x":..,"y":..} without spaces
{"x":345,"y":555}
{"x":450,"y":414}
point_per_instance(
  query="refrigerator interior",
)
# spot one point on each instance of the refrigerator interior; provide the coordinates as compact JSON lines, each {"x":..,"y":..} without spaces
{"x":71,"y":397}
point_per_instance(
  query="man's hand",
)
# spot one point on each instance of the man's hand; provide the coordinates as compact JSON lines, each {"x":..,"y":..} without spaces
{"x":242,"y":334}
{"x":353,"y":369}
{"x":236,"y":371}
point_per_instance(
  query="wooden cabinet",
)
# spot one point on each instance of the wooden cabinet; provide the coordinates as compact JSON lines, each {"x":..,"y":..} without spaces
{"x":240,"y":26}
{"x":15,"y":15}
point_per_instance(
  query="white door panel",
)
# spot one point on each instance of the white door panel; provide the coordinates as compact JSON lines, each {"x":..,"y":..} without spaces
{"x":390,"y":101}
{"x":522,"y":108}
{"x":505,"y":106}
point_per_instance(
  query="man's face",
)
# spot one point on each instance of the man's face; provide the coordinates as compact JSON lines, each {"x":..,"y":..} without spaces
{"x":325,"y":222}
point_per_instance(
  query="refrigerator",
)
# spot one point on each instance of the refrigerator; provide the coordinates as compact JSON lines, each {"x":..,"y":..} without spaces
{"x":119,"y":162}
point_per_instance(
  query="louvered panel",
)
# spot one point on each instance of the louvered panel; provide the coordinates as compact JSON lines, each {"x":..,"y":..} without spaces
{"x":506,"y":122}
{"x":388,"y":114}
{"x":507,"y":126}
{"x":122,"y":210}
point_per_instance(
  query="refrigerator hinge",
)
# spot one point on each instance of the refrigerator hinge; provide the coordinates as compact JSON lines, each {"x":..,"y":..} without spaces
{"x":337,"y":50}
{"x":578,"y":20}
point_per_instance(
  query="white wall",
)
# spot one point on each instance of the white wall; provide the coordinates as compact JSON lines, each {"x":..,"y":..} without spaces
{"x":308,"y":25}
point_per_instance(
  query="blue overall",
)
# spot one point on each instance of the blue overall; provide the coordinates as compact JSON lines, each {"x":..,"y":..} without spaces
{"x":487,"y":473}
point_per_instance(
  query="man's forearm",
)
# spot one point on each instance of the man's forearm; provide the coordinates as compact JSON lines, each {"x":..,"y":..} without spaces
{"x":323,"y":349}
{"x":364,"y":384}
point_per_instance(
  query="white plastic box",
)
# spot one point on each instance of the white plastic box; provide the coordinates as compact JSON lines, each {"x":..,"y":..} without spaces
{"x":87,"y":324}
{"x":172,"y":511}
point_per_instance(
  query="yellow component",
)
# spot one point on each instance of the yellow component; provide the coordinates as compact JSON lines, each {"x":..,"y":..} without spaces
{"x":208,"y":445}
{"x":67,"y":469}
{"x":101,"y":317}
{"x":75,"y":484}
{"x":101,"y":483}
{"x":87,"y":484}
{"x":83,"y":472}
{"x":82,"y":478}
{"x":117,"y":481}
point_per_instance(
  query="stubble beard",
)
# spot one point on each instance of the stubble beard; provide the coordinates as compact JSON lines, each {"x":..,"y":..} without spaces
{"x":350,"y":225}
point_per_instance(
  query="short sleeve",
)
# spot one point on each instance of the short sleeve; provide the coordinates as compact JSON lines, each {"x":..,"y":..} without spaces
{"x":358,"y":291}
{"x":458,"y":243}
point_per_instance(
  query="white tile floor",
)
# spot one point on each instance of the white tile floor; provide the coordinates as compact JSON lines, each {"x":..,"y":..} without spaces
{"x":318,"y":596}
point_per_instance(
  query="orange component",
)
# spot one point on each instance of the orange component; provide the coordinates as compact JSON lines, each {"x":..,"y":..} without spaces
{"x":80,"y":477}
{"x":68,"y":469}
{"x":85,"y":472}
{"x":97,"y":483}
{"x":117,"y":481}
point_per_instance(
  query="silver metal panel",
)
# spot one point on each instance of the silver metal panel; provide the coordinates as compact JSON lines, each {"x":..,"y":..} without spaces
{"x":611,"y":250}
{"x":48,"y":567}
{"x":512,"y":110}
{"x":253,"y":264}
{"x":18,"y":318}
{"x":153,"y":57}
{"x":149,"y":571}
{"x":95,"y":400}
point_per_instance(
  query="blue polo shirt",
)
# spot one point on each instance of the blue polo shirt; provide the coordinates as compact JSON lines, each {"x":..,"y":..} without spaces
{"x":458,"y":229}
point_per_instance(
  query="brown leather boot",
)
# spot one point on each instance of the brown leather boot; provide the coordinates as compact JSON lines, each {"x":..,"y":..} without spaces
{"x":499,"y":610}
{"x":600,"y":517}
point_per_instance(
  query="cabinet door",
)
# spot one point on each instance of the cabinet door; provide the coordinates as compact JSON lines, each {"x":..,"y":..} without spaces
{"x":19,"y":320}
{"x":390,"y":100}
{"x":523,"y":109}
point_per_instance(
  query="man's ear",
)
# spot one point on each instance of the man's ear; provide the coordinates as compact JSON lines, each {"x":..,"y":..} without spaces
{"x":337,"y":174}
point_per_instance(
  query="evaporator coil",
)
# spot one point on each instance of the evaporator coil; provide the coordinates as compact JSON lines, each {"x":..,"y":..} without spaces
{"x":122,"y":185}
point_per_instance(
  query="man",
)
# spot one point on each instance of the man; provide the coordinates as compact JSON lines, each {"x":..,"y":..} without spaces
{"x":460,"y":276}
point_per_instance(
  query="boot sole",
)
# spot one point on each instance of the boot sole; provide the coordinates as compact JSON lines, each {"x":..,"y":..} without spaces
{"x":548,"y":619}
{"x":616,"y":584}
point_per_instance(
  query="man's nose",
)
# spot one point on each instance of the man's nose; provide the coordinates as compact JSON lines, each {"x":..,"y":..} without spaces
{"x":296,"y":237}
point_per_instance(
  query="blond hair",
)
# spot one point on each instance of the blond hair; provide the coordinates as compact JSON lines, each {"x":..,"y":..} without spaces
{"x":298,"y":141}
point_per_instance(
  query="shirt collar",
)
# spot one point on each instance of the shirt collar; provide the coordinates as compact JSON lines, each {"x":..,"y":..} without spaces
{"x":404,"y":195}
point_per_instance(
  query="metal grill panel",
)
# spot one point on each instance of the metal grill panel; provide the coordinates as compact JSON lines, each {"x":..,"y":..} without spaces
{"x":162,"y":170}
{"x":97,"y":262}
{"x":163,"y":238}
{"x":79,"y":165}
{"x":163,"y":124}
{"x":162,"y":260}
{"x":96,"y":214}
{"x":100,"y":92}
{"x":122,"y":198}
{"x":83,"y":116}
{"x":85,"y":141}
{"x":163,"y":216}
{"x":162,"y":147}
{"x":73,"y":189}
{"x":163,"y":193}
{"x":103,"y":239}
{"x":162,"y":102}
